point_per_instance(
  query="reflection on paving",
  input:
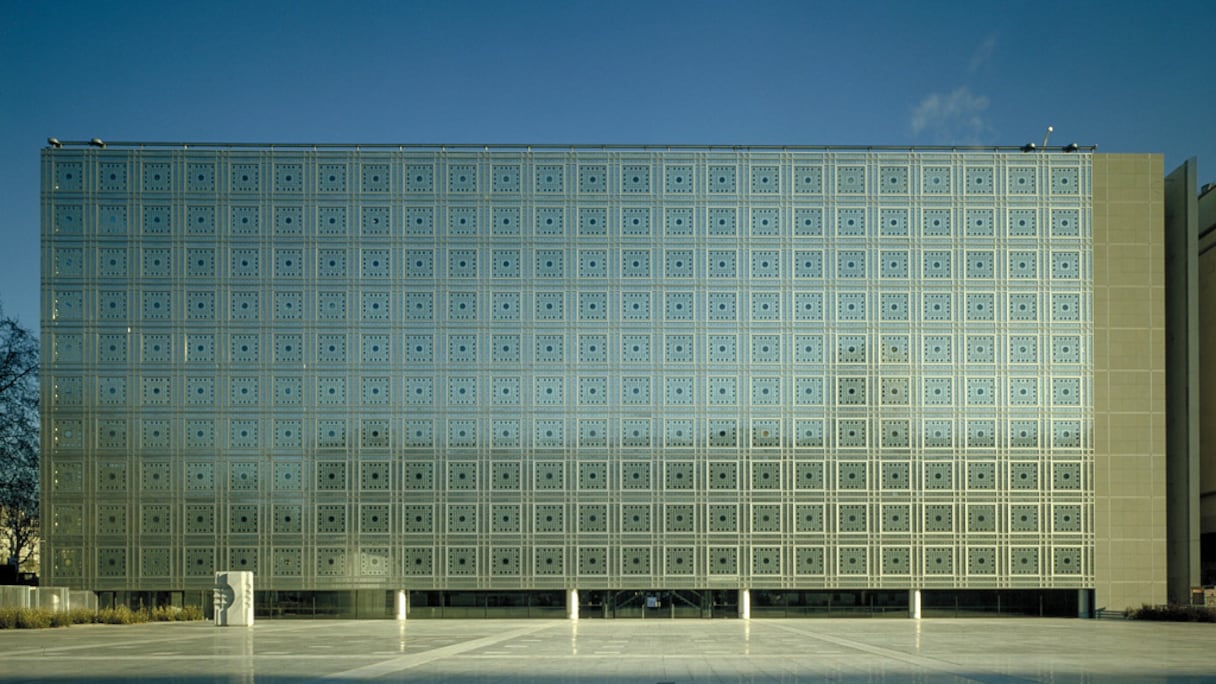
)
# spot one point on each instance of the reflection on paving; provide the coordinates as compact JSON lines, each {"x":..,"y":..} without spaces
{"x":603,"y":652}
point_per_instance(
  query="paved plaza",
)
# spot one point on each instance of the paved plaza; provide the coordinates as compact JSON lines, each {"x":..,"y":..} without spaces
{"x":993,"y":651}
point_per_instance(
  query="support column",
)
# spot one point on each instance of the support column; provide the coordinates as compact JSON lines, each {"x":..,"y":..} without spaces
{"x":572,"y":604}
{"x":914,"y":604}
{"x":403,"y":603}
{"x":745,"y":604}
{"x":1082,"y":603}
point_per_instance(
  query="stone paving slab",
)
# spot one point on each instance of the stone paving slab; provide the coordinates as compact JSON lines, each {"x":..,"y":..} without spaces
{"x":848,"y":651}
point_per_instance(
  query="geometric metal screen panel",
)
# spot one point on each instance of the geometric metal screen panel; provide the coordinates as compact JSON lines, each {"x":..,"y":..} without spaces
{"x":535,"y":368}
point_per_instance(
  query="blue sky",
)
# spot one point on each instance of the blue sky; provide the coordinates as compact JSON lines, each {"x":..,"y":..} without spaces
{"x":1126,"y":76}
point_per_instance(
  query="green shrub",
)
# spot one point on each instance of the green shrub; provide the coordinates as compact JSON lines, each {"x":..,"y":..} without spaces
{"x":1173,"y":613}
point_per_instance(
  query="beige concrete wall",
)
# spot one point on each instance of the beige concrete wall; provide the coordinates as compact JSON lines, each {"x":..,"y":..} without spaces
{"x":1129,"y":381}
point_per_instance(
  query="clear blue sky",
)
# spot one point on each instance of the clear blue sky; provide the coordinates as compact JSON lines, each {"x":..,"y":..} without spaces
{"x":1128,"y":76}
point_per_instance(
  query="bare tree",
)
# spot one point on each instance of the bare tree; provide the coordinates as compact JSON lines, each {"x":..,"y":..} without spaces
{"x":19,"y":442}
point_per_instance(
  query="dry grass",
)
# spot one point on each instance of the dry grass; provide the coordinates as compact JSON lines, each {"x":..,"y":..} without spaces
{"x":39,"y":618}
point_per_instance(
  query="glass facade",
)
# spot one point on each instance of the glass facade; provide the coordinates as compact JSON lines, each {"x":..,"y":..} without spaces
{"x":531,"y":369}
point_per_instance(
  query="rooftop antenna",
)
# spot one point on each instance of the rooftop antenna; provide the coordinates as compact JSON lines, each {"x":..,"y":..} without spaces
{"x":1046,"y":136}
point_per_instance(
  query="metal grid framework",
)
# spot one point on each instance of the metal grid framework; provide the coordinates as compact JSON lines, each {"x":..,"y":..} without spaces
{"x":512,"y":368}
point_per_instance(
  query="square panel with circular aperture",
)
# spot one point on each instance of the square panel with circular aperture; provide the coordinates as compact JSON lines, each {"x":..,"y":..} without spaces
{"x":1066,"y":475}
{"x":766,"y":560}
{"x":765,"y":475}
{"x":549,"y":178}
{"x":505,"y":178}
{"x":592,"y":178}
{"x":809,"y":518}
{"x":765,"y":180}
{"x":1023,"y":518}
{"x":462,"y":519}
{"x":592,"y":560}
{"x":723,"y":560}
{"x":635,"y":475}
{"x":852,"y":560}
{"x":635,"y":518}
{"x":893,"y":179}
{"x":549,"y":561}
{"x":809,"y":560}
{"x":766,"y":433}
{"x":549,"y":518}
{"x":592,"y":518}
{"x":1066,"y":518}
{"x":678,"y":178}
{"x":721,"y":179}
{"x":808,"y":179}
{"x":766,"y":518}
{"x":592,"y":306}
{"x":808,"y":306}
{"x":808,"y":348}
{"x":462,"y":561}
{"x":1024,"y":560}
{"x":592,"y":221}
{"x":374,"y":519}
{"x":418,"y":476}
{"x":505,"y":561}
{"x":679,"y":475}
{"x":462,"y":178}
{"x":418,"y":561}
{"x":550,"y":221}
{"x":680,"y":560}
{"x":419,"y":178}
{"x":635,"y":221}
{"x":850,"y":306}
{"x":1067,"y":561}
{"x":808,"y":222}
{"x":765,"y":222}
{"x":723,"y":306}
{"x":850,"y":180}
{"x":678,"y":222}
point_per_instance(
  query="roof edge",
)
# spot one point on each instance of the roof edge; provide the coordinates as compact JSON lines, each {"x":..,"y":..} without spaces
{"x":639,"y":147}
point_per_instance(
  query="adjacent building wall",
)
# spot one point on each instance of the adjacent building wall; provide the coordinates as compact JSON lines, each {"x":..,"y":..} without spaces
{"x":1207,"y":384}
{"x":1181,"y":375}
{"x":1129,"y":381}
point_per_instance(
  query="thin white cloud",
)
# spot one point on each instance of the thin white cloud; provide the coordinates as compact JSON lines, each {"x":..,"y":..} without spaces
{"x":952,"y":118}
{"x":982,"y":54}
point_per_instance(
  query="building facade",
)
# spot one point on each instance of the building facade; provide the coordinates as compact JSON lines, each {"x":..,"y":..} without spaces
{"x":480,"y":369}
{"x":1205,"y":211}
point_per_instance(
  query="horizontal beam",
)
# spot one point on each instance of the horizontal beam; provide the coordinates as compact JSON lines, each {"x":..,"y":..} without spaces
{"x":642,"y":147}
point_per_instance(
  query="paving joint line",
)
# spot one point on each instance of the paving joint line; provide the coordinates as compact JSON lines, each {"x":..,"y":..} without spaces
{"x":409,"y":661}
{"x":925,"y":662}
